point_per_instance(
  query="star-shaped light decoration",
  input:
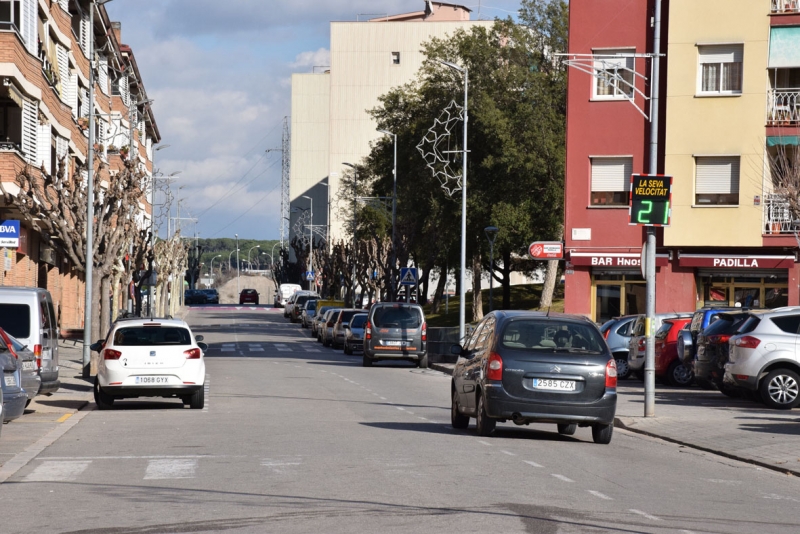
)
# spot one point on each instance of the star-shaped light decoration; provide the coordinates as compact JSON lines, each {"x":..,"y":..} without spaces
{"x":435,"y":148}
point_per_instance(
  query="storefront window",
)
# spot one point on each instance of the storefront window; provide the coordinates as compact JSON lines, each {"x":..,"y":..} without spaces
{"x":619,"y":293}
{"x":608,"y":302}
{"x":635,"y":299}
{"x":747,"y":291}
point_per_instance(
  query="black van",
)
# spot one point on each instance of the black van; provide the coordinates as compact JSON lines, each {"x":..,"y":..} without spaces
{"x":396,"y":331}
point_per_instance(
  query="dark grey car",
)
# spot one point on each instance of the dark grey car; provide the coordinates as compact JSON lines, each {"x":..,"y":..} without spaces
{"x":396,"y":331}
{"x":532,"y":367}
{"x":341,"y":322}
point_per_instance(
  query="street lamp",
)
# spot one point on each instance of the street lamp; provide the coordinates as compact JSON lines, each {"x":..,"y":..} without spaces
{"x":462,"y":288}
{"x":238,"y":290}
{"x":87,"y":318}
{"x":394,"y":210}
{"x":211,"y":270}
{"x":311,"y":242}
{"x":248,"y":254}
{"x":355,"y":226}
{"x":491,"y":235}
{"x":229,"y":258}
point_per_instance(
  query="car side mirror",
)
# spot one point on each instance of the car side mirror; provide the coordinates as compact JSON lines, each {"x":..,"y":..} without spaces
{"x":97,"y":346}
{"x":198,"y":338}
{"x":202,"y":346}
{"x":456,"y":349}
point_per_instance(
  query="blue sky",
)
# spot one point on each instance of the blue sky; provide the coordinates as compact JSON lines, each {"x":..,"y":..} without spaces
{"x":220,"y":74}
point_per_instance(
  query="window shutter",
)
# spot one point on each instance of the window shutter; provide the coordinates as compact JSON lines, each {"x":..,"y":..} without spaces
{"x":73,"y":94}
{"x":62,"y":150}
{"x":63,"y":72}
{"x":125,"y":90}
{"x":85,"y":34}
{"x":721,"y":54}
{"x":102,"y":78}
{"x":717,"y":175}
{"x":29,"y":17}
{"x":611,"y":174}
{"x":43,"y":147}
{"x":64,"y":5}
{"x":30,"y":128}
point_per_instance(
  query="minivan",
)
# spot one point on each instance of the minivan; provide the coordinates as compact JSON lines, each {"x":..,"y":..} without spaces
{"x":284,"y":293}
{"x":27,"y":313}
{"x":396,"y":331}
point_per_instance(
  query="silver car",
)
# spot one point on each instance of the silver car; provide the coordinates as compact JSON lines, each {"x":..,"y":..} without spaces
{"x":29,"y":370}
{"x":636,"y":345}
{"x":318,"y":319}
{"x":307,"y":315}
{"x":354,"y":333}
{"x":326,"y":326}
{"x":617,"y":332}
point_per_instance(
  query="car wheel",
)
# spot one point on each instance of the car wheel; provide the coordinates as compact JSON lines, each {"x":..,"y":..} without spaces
{"x":623,"y":369}
{"x":457,"y":419}
{"x":366,"y":361}
{"x":102,"y":399}
{"x":679,"y":375}
{"x":198,"y":399}
{"x":484,"y":424}
{"x":422,"y":363}
{"x":602,"y":433}
{"x":780,"y":389}
{"x":187,"y":400}
{"x":567,"y":429}
{"x":256,"y":302}
{"x":704,"y":384}
{"x":347,"y":349}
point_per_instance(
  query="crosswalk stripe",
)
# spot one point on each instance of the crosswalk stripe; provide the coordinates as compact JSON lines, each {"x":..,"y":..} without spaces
{"x":169,"y":469}
{"x":57,"y":471}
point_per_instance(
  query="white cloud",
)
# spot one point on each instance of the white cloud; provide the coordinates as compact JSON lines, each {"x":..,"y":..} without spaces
{"x":320,"y":57}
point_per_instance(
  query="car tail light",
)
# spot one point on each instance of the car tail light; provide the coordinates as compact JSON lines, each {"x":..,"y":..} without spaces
{"x":605,"y":335}
{"x":192,"y":354}
{"x":111,"y":354}
{"x":722,"y":338}
{"x":747,"y":342}
{"x":37,"y":351}
{"x":367,"y":331}
{"x":38,"y":363}
{"x":494,"y":369}
{"x":641,"y":344}
{"x":611,"y":374}
{"x":424,"y":331}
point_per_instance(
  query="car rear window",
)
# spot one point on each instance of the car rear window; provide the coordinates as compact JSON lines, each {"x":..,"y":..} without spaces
{"x":664,"y":330}
{"x":248,"y":291}
{"x":552,"y":336}
{"x":345,"y":316}
{"x":749,"y":325}
{"x":16,"y":319}
{"x":136,"y":336}
{"x":397,"y":316}
{"x":725,"y":324}
{"x":358,"y":320}
{"x":788,"y":323}
{"x":311,"y":305}
{"x":322,"y":311}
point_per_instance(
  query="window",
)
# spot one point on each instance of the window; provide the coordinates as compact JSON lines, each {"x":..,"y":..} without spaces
{"x":611,"y":181}
{"x":16,"y":319}
{"x":10,"y":119}
{"x":720,"y":69}
{"x":395,"y":58}
{"x":10,"y":15}
{"x":717,"y":180}
{"x":788,"y":323}
{"x":143,"y":336}
{"x":614,"y":78}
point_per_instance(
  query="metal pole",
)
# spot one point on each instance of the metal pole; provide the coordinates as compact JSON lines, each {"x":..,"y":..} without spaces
{"x":394,"y":224}
{"x":355,"y":229}
{"x":238,"y":290}
{"x":462,"y":290}
{"x":311,"y":246}
{"x":89,"y":262}
{"x":650,"y":254}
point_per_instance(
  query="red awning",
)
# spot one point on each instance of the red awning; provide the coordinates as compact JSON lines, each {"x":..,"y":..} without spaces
{"x":736,"y":261}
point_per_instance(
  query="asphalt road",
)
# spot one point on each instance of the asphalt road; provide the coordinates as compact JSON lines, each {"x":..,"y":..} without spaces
{"x":300,"y":438}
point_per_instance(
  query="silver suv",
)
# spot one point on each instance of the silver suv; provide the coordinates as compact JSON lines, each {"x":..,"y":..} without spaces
{"x":764,"y":357}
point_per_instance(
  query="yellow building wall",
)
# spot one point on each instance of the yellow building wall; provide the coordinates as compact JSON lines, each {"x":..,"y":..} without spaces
{"x":723,"y":125}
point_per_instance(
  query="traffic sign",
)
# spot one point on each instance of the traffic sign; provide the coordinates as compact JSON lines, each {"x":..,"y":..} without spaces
{"x":546,"y":250}
{"x":650,"y":200}
{"x":408,"y":276}
{"x":309,"y":275}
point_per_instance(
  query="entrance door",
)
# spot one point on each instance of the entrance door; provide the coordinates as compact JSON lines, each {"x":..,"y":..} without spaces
{"x":608,"y":303}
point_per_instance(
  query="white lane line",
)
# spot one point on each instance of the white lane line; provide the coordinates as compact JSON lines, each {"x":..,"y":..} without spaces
{"x":151,"y":457}
{"x":229,"y":344}
{"x":534,"y":464}
{"x":227,"y":350}
{"x":383,"y":398}
{"x":256,"y":349}
{"x":57,"y":471}
{"x":206,"y":393}
{"x":600,"y":495}
{"x":412,"y":413}
{"x":562,"y":477}
{"x":645,"y":514}
{"x":400,"y":408}
{"x":169,"y":469}
{"x":508,"y":453}
{"x":423,"y":418}
{"x":485,"y":443}
{"x":312,"y":350}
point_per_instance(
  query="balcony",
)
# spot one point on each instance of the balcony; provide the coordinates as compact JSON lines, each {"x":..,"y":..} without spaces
{"x":777,"y":216}
{"x":785,"y":6}
{"x":782,"y":107}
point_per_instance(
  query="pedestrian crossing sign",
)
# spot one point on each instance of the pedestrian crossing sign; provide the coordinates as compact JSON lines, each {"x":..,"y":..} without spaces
{"x":408,"y":276}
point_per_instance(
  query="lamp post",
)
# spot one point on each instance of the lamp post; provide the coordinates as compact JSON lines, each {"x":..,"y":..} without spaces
{"x":211,"y":270}
{"x":462,"y":289}
{"x":491,"y":234}
{"x":355,"y":227}
{"x":394,"y":211}
{"x":229,"y":258}
{"x":310,"y":242}
{"x":87,"y":318}
{"x":248,"y":255}
{"x":238,"y":290}
{"x":150,"y":285}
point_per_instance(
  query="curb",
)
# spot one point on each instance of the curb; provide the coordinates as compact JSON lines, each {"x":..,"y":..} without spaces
{"x":442,"y":368}
{"x":783,"y":470}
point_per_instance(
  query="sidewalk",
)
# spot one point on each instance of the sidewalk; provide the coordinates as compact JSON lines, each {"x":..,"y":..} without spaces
{"x":709,"y":421}
{"x":75,"y":391}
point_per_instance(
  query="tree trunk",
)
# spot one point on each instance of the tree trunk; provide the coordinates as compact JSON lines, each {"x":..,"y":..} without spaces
{"x":165,"y":297}
{"x":477,"y":300}
{"x":95,"y":318}
{"x":105,"y":306}
{"x":549,"y":284}
{"x":437,"y":296}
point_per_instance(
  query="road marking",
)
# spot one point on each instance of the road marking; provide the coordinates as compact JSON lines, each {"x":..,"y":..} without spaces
{"x":383,"y":398}
{"x":150,"y":457}
{"x":227,"y":350}
{"x":600,"y":495}
{"x":312,"y":350}
{"x":412,"y":413}
{"x":64,"y":417}
{"x":423,"y":418}
{"x":562,"y":477}
{"x":256,"y":349}
{"x":400,"y":408}
{"x":534,"y":464}
{"x":277,"y":465}
{"x":169,"y":469}
{"x":485,"y":443}
{"x":645,"y":514}
{"x":508,"y":453}
{"x":229,"y":344}
{"x":57,"y":471}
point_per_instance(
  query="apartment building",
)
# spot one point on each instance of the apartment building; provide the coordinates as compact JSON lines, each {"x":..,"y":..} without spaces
{"x":330,"y":123}
{"x":44,"y":111}
{"x":728,"y":106}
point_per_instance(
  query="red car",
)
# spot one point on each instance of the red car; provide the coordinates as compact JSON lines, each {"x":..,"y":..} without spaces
{"x":248,"y":296}
{"x":669,"y":367}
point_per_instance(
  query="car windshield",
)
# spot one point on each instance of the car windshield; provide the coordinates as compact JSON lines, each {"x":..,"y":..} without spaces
{"x":323,"y":311}
{"x":548,"y":335}
{"x":311,"y":305}
{"x":15,"y":319}
{"x":397,"y":316}
{"x":357,"y":321}
{"x":345,"y":316}
{"x":137,"y":336}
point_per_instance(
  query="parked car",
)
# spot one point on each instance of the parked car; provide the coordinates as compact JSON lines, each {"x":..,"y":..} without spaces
{"x":326,"y":327}
{"x":617,"y":332}
{"x":194,"y":296}
{"x":396,"y":331}
{"x":319,"y":318}
{"x":14,"y":397}
{"x":298,"y":305}
{"x":354,"y":333}
{"x":636,"y":346}
{"x":212,"y":296}
{"x":687,"y":342}
{"x":248,"y":296}
{"x":669,"y":367}
{"x":284,"y":292}
{"x":763,"y":357}
{"x":150,"y":358}
{"x":535,"y":367}
{"x":308,"y":313}
{"x":342,"y":321}
{"x":27,"y":313}
{"x":712,"y":351}
{"x":29,"y":370}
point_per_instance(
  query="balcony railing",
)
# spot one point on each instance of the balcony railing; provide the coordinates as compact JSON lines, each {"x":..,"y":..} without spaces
{"x":783,"y":107}
{"x":777,"y":216}
{"x":786,"y":6}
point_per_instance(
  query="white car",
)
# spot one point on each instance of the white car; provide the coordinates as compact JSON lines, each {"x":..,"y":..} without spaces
{"x":150,"y":358}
